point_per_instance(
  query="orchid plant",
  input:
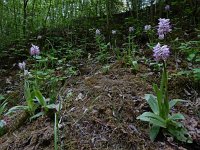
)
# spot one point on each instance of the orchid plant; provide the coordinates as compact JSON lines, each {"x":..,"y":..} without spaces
{"x":160,"y":104}
{"x":102,"y":46}
{"x":130,"y":58}
{"x":116,"y":50}
{"x":34,"y":98}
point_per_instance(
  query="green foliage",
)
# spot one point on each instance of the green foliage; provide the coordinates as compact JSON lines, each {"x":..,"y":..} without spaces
{"x":1,"y":97}
{"x":106,"y":69}
{"x":102,"y":55}
{"x":34,"y":101}
{"x":191,"y":49}
{"x":30,"y":106}
{"x":71,"y":71}
{"x":134,"y":66}
{"x":196,"y":73}
{"x":160,"y":116}
{"x":130,"y":55}
{"x":156,"y":66}
{"x":44,"y":104}
{"x":3,"y":104}
{"x":169,"y":124}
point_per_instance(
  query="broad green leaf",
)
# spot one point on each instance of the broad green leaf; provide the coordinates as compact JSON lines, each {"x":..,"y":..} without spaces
{"x":152,"y":118}
{"x":28,"y":96}
{"x":40,"y":97}
{"x":174,"y":123}
{"x":159,"y":98}
{"x":1,"y":97}
{"x":157,"y":122}
{"x":174,"y":101}
{"x":27,"y":92}
{"x":196,"y":70}
{"x":180,"y":133}
{"x":53,"y":106}
{"x":176,"y":117}
{"x":191,"y":56}
{"x":37,"y":115}
{"x":38,"y":57}
{"x":162,"y":84}
{"x":135,"y":65}
{"x":2,"y":107}
{"x":16,"y":108}
{"x":154,"y":132}
{"x":152,"y":101}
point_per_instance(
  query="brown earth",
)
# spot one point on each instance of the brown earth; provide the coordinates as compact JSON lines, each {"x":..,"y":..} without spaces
{"x":99,"y":112}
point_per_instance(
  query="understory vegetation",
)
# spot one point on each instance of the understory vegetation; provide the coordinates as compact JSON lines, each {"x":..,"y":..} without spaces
{"x":100,"y":74}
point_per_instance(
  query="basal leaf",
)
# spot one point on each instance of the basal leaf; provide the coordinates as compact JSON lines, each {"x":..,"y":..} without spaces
{"x":154,"y":132}
{"x":177,"y":117}
{"x":152,"y":118}
{"x":2,"y":107}
{"x":152,"y":101}
{"x":180,"y":133}
{"x":37,"y":115}
{"x":174,"y":102}
{"x":16,"y":108}
{"x":40,"y":97}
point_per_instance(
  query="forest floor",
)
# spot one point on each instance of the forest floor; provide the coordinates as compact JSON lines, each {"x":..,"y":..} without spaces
{"x":99,"y":111}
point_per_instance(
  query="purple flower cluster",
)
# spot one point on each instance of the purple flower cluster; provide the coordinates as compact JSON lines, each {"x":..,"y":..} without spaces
{"x":34,"y":50}
{"x":161,"y":52}
{"x":167,"y":8}
{"x":163,"y":27}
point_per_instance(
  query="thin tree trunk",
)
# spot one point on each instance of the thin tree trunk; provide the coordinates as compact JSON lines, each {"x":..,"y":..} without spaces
{"x":25,"y":16}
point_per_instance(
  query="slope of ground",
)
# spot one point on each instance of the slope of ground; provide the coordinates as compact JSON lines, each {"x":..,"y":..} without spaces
{"x":99,"y":111}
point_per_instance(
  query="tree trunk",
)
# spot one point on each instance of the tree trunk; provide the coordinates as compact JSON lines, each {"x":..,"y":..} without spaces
{"x":25,"y":17}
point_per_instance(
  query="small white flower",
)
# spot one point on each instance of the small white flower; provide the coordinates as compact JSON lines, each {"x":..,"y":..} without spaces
{"x":114,"y":32}
{"x":147,"y":27}
{"x":98,"y":32}
{"x":22,"y":65}
{"x":39,"y":37}
{"x":131,"y":29}
{"x":27,"y":73}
